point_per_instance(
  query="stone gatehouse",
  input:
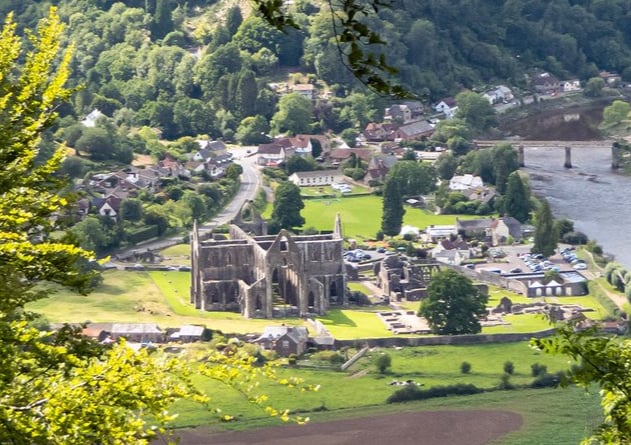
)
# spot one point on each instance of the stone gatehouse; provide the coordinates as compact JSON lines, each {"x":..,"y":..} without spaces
{"x":268,"y":276}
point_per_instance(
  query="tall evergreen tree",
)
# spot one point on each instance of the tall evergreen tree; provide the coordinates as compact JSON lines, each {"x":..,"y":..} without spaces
{"x":234,"y":18}
{"x":546,"y":236}
{"x":393,"y":211}
{"x":246,"y":94}
{"x":162,"y":23}
{"x":516,"y":199}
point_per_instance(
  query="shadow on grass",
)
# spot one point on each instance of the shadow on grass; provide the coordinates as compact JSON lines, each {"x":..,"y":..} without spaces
{"x":110,"y":289}
{"x":338,"y":318}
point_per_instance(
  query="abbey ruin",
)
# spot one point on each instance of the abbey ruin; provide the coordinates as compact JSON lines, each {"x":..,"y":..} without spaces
{"x":266,"y":276}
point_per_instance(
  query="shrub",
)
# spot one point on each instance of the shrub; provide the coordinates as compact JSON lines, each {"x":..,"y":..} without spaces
{"x":383,"y":362}
{"x":465,"y":367}
{"x":509,"y":368}
{"x":538,"y":369}
{"x":505,"y":383}
{"x":292,"y":359}
{"x":413,"y":392}
{"x":546,"y":380}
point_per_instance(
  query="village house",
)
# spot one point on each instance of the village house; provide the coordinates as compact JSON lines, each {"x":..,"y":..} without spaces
{"x":611,"y":79}
{"x":568,"y":86}
{"x":132,"y":332}
{"x":342,"y":154}
{"x":270,"y":155}
{"x":464,"y":182}
{"x":474,"y":228}
{"x":447,"y":106}
{"x":398,"y":113}
{"x":284,"y":340}
{"x":546,"y":83}
{"x":306,"y":90}
{"x":188,"y":333}
{"x":376,"y":132}
{"x":501,"y":94}
{"x":209,"y":149}
{"x":505,"y":228}
{"x":414,"y":130}
{"x":451,"y":252}
{"x":316,"y":178}
{"x":92,"y":117}
{"x":434,"y":233}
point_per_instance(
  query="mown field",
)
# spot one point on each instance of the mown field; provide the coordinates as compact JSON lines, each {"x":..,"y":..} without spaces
{"x":361,"y":215}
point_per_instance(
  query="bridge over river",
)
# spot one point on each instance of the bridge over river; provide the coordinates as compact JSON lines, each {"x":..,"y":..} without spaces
{"x":523,"y":144}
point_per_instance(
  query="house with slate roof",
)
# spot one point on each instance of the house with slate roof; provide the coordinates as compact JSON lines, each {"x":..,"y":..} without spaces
{"x":414,"y":130}
{"x":285,"y":340}
{"x":504,"y":228}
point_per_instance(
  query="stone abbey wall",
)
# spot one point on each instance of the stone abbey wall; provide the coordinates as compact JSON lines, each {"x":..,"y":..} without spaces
{"x":262,"y":276}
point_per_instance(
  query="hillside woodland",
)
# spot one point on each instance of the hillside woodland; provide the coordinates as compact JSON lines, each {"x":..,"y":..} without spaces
{"x":205,"y":67}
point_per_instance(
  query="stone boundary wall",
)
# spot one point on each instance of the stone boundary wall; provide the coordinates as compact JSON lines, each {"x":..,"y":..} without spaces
{"x":474,"y":339}
{"x":354,"y":358}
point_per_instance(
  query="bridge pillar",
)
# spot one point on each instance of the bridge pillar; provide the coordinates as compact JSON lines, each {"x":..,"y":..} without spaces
{"x":568,"y":157}
{"x":520,"y":156}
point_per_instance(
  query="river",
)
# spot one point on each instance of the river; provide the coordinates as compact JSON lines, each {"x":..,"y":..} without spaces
{"x":590,"y":194}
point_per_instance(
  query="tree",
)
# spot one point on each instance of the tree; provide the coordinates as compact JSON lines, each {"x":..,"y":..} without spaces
{"x":294,"y":114}
{"x":504,"y":161}
{"x":616,"y":113}
{"x":96,"y":142}
{"x":446,"y":165}
{"x":602,"y":360}
{"x":298,"y":163}
{"x":383,"y":362}
{"x":475,"y":110}
{"x":516,"y":199}
{"x":287,"y":206}
{"x":59,"y":387}
{"x":131,"y":210}
{"x":453,"y":305}
{"x":393,"y":211}
{"x":546,"y":236}
{"x":253,"y":130}
{"x":594,"y":87}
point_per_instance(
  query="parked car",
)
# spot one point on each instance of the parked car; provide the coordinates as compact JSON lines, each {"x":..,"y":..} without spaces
{"x":515,"y":270}
{"x":381,"y":249}
{"x":580,"y":266}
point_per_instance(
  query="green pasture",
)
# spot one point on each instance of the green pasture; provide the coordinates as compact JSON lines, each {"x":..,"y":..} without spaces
{"x":565,"y":414}
{"x":361,"y":215}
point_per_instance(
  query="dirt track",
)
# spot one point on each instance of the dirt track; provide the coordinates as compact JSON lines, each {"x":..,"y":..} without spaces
{"x":419,"y":428}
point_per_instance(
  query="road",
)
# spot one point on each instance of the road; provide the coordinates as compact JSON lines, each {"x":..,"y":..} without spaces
{"x":250,"y":183}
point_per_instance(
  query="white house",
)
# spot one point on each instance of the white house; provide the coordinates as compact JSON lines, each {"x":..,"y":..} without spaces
{"x":271,"y":155}
{"x":316,"y":178}
{"x":568,"y":86}
{"x":432,"y":233}
{"x":447,"y":106}
{"x":90,"y":119}
{"x":465,"y":182}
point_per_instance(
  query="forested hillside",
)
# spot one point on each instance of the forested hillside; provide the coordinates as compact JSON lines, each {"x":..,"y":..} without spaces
{"x":203,"y":67}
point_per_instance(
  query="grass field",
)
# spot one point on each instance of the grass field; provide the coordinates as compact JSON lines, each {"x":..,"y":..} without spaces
{"x":163,"y":298}
{"x":361,"y":216}
{"x":565,"y":414}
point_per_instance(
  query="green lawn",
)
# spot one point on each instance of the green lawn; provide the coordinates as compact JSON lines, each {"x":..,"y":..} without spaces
{"x":361,"y":216}
{"x":348,"y":324}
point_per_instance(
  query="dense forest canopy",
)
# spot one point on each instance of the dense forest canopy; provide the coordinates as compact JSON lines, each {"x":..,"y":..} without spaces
{"x":202,"y":67}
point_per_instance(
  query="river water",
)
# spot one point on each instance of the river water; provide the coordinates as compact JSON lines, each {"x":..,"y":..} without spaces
{"x":596,"y":198}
